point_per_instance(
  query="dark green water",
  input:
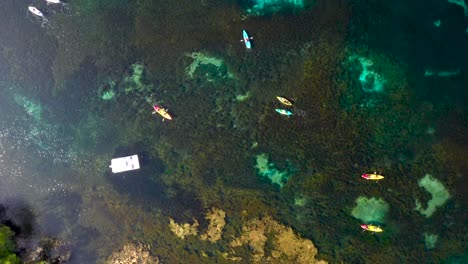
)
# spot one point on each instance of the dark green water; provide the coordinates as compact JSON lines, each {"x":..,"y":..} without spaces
{"x":376,"y":86}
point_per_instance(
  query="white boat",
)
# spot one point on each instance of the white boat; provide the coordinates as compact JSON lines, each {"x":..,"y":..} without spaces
{"x":35,"y":11}
{"x":122,"y":164}
{"x":55,"y":2}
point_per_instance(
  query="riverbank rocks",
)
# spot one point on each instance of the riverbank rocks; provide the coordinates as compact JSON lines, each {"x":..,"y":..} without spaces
{"x":132,"y":254}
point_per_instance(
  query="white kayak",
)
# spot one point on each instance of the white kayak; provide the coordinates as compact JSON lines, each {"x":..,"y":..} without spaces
{"x":35,"y":11}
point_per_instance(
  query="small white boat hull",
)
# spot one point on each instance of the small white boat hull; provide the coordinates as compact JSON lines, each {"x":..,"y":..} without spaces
{"x":35,"y":11}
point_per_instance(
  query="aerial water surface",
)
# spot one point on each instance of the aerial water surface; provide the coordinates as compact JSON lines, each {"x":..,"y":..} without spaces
{"x":267,"y":131}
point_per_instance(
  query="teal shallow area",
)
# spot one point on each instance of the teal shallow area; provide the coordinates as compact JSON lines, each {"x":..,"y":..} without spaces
{"x":262,"y":7}
{"x":376,"y":87}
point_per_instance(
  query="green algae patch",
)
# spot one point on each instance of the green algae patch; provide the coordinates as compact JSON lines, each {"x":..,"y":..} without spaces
{"x":243,"y":97}
{"x":371,"y":80}
{"x":269,"y":170}
{"x":137,"y":75}
{"x":430,"y":240}
{"x":108,"y":95}
{"x":300,"y":201}
{"x":438,"y":193}
{"x":107,"y":91}
{"x":370,"y":210}
{"x":134,"y":82}
{"x":212,"y":67}
{"x":263,"y":7}
{"x":33,"y":109}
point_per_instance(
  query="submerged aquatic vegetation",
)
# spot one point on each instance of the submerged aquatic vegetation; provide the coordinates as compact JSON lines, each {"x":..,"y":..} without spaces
{"x":32,"y":108}
{"x":439,"y":195}
{"x":262,"y":7}
{"x":108,"y":95}
{"x":200,"y":59}
{"x":134,"y":82}
{"x":430,"y":240}
{"x":268,"y":170}
{"x":371,"y":81}
{"x":370,"y":210}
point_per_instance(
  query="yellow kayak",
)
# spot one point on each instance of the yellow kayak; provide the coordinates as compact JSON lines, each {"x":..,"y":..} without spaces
{"x":163,"y":112}
{"x":371,"y":228}
{"x":372,"y":176}
{"x":284,"y":101}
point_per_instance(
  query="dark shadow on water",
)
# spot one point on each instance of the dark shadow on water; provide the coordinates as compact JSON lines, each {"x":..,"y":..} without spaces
{"x":18,"y":215}
{"x":83,"y":238}
{"x":74,"y":95}
{"x":61,"y":214}
{"x":62,"y":209}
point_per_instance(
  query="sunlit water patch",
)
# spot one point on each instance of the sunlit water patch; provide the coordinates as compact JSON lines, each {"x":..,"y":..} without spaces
{"x":24,"y":160}
{"x":31,"y":151}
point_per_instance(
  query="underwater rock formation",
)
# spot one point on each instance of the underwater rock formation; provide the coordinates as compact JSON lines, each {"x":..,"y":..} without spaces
{"x":18,"y":235}
{"x":130,"y":254}
{"x":47,"y":250}
{"x":216,"y":221}
{"x":183,"y":230}
{"x":262,"y":240}
{"x":287,"y":247}
{"x":216,"y":224}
